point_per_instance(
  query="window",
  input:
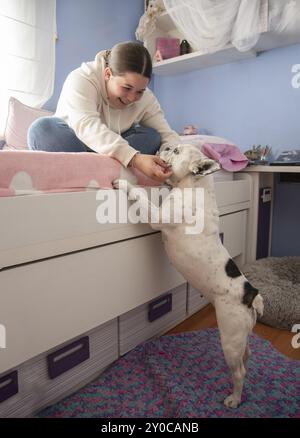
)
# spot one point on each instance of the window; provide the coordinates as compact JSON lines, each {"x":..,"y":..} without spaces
{"x":27,"y":52}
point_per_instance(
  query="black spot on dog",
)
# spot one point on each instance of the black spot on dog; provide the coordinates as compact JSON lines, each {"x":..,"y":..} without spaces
{"x":202,"y":168}
{"x":231,"y":269}
{"x":250,"y":293}
{"x":206,"y":166}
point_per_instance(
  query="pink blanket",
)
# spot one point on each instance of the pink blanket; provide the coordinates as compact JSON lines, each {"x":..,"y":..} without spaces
{"x":31,"y":172}
{"x":228,"y":155}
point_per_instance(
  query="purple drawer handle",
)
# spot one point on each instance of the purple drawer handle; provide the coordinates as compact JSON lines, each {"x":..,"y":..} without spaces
{"x":221,"y":237}
{"x":9,"y":386}
{"x":68,"y":357}
{"x":160,"y":307}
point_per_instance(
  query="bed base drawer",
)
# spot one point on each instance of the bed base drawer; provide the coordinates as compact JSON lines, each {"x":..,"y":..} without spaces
{"x":45,"y":304}
{"x":45,"y":379}
{"x":152,"y":318}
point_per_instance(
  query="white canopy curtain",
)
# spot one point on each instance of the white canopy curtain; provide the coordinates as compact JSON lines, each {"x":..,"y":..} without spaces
{"x":210,"y":25}
{"x":27,"y":52}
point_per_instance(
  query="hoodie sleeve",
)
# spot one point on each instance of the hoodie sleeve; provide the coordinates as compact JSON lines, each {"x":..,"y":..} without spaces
{"x":154,"y":118}
{"x":81,"y":113}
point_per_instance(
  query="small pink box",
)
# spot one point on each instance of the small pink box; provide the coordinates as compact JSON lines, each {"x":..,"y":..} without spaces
{"x":168,"y":47}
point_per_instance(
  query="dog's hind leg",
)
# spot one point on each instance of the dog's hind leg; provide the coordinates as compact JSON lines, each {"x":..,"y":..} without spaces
{"x":234,"y":339}
{"x":247,"y":354}
{"x":236,"y":365}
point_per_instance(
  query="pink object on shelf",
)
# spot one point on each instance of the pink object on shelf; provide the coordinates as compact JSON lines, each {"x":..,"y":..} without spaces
{"x":168,"y":47}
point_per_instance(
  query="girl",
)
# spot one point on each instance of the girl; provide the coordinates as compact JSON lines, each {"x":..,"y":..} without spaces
{"x":106,"y":107}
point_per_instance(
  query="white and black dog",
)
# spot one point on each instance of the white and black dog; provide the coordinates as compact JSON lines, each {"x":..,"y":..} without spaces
{"x":203,"y":260}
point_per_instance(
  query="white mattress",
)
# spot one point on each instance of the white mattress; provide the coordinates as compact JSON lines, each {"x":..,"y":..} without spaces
{"x":36,"y":227}
{"x":39,"y":226}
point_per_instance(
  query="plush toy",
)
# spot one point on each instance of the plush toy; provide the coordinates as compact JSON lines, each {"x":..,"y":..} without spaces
{"x":148,"y":19}
{"x":157,"y":56}
{"x":190,"y":130}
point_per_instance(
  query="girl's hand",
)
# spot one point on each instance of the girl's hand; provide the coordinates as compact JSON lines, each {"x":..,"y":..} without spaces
{"x":152,"y":166}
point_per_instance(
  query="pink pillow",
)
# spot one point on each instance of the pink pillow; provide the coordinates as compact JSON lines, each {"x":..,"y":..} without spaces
{"x":228,"y":155}
{"x":19,"y":118}
{"x":220,"y":149}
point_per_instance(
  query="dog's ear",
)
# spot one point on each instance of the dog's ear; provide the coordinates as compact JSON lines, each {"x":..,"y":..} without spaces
{"x":202,"y":167}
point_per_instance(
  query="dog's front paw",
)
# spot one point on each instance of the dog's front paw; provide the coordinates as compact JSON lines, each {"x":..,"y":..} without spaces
{"x":122,"y":184}
{"x":126,"y":187}
{"x":232,"y":401}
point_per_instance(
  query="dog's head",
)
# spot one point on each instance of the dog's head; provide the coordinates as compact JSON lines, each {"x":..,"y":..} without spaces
{"x":186,"y":159}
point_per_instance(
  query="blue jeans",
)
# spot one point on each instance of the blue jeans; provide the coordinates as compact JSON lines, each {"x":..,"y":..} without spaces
{"x":52,"y":134}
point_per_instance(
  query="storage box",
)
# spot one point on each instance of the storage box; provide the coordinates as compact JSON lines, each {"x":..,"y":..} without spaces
{"x":152,"y":318}
{"x":45,"y":379}
{"x":168,"y":47}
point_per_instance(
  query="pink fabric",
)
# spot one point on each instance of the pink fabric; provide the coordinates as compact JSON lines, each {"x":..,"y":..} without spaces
{"x":229,"y":156}
{"x":26,"y":172}
{"x":19,"y":119}
{"x":168,"y":47}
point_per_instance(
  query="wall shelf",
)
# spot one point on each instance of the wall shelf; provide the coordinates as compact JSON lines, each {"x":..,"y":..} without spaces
{"x":196,"y":61}
{"x":165,"y":27}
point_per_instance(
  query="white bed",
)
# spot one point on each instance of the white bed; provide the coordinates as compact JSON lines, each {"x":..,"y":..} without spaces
{"x":63,"y":275}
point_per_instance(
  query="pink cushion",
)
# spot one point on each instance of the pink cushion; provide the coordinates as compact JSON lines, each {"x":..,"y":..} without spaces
{"x":220,"y":149}
{"x":228,"y":155}
{"x":19,"y":118}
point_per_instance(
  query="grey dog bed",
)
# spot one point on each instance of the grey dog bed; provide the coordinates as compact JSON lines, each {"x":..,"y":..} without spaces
{"x":278,"y":281}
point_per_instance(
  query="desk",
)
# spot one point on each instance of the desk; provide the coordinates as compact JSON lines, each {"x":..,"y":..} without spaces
{"x":261,"y":176}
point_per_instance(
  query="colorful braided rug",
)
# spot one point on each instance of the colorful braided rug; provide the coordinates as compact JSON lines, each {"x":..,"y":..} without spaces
{"x":185,"y":376}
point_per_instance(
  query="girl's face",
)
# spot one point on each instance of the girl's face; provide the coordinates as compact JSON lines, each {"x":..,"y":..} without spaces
{"x":126,"y":89}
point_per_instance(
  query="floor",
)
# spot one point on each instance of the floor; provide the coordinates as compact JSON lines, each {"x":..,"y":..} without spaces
{"x":206,"y":318}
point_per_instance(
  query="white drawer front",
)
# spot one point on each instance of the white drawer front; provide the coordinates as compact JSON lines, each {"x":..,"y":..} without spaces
{"x":46,"y":303}
{"x":232,"y":192}
{"x":233,"y":227}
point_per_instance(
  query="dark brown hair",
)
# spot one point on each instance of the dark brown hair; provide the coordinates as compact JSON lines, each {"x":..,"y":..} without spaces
{"x":129,"y":56}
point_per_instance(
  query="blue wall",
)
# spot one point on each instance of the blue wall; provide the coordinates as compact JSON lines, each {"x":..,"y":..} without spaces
{"x":249,"y":102}
{"x":85,"y":27}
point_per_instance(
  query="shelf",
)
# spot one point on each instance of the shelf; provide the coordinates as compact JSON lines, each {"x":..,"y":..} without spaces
{"x":200,"y":60}
{"x":197,"y":61}
{"x":192,"y":61}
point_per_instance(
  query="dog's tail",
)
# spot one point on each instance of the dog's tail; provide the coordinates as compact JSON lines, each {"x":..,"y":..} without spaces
{"x":258,"y":304}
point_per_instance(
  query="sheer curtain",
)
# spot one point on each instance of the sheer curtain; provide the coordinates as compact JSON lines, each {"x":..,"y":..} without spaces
{"x":27,"y":52}
{"x":210,"y":25}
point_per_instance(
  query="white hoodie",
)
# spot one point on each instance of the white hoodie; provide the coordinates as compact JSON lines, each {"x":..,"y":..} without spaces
{"x":84,"y":106}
